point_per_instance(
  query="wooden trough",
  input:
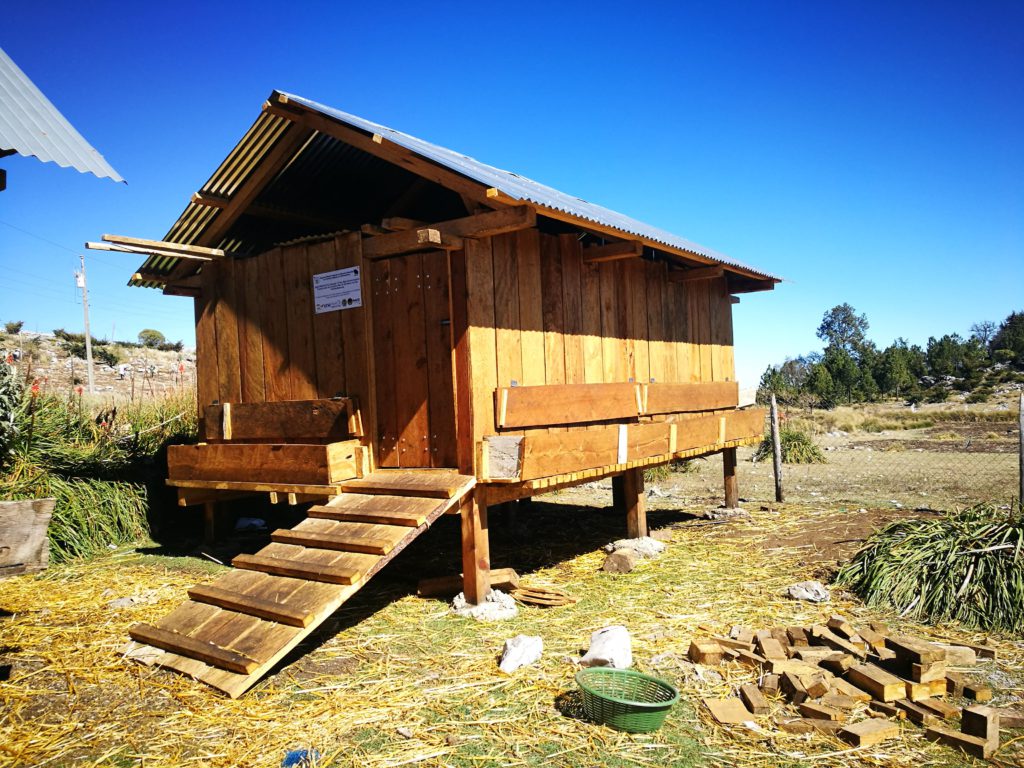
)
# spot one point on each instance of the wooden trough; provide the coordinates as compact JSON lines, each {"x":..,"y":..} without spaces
{"x":371,"y":308}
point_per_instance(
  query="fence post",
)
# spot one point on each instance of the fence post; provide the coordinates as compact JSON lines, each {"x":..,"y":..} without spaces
{"x":776,"y":450}
{"x":1020,"y":450}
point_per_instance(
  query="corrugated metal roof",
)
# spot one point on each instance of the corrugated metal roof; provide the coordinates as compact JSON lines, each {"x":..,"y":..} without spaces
{"x":522,"y":188}
{"x":32,"y":126}
{"x":323,"y":159}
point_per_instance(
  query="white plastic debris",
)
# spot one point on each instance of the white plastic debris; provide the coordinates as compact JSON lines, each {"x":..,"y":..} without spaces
{"x":495,"y":607}
{"x":812,"y":591}
{"x":645,"y":546}
{"x":609,"y":647}
{"x":520,"y":651}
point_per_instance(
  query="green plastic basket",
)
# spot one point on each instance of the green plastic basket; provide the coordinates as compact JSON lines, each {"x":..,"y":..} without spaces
{"x":624,"y":699}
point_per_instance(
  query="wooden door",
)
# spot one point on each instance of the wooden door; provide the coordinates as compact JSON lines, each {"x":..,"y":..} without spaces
{"x":413,"y":361}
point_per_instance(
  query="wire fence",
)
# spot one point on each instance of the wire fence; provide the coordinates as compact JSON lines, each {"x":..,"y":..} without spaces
{"x":948,"y":465}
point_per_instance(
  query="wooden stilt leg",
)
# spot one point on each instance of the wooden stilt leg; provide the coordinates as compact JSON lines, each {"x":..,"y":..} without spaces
{"x":476,"y":549}
{"x":732,"y":494}
{"x":635,"y":502}
{"x":210,"y":523}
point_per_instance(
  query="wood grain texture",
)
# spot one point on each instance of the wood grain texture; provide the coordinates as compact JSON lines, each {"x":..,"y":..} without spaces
{"x":531,"y":307}
{"x":276,"y":361}
{"x":508,"y":334}
{"x":229,"y":380}
{"x":298,"y":306}
{"x":328,"y":344}
{"x":440,"y":386}
{"x":250,"y":332}
{"x":260,"y":462}
{"x":571,"y":263}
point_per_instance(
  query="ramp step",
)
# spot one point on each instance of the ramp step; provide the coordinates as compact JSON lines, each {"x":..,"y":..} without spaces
{"x":440,"y":484}
{"x":410,"y":519}
{"x":303,"y":569}
{"x":339,"y":542}
{"x":176,"y":642}
{"x":251,"y":606}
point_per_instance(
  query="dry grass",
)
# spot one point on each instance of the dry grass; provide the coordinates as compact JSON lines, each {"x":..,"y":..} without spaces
{"x":392,"y":660}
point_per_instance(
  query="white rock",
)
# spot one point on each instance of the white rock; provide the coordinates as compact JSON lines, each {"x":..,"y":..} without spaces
{"x":520,"y":651}
{"x":495,"y":607}
{"x":609,"y":647}
{"x":645,"y":546}
{"x":813,"y":591}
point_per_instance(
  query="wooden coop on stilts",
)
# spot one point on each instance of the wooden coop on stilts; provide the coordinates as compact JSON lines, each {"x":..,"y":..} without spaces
{"x":391,"y":331}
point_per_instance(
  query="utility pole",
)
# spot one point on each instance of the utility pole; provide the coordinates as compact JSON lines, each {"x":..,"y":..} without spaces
{"x":80,"y":282}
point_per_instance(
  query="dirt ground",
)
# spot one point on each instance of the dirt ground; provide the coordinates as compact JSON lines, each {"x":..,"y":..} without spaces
{"x":395,"y":680}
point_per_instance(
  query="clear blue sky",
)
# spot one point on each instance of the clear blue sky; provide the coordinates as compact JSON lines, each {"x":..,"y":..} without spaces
{"x":869,"y":152}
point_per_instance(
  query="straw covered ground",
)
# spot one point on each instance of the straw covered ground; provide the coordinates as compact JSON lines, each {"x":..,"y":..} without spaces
{"x":397,"y":680}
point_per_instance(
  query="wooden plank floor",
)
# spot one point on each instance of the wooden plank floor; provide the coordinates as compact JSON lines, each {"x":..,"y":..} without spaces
{"x":231,"y":632}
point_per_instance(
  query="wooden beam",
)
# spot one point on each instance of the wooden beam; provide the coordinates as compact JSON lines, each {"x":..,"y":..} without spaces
{"x":690,"y":397}
{"x":291,"y":141}
{"x":626,"y":249}
{"x":551,"y":404}
{"x":175,"y":642}
{"x":699,"y":273}
{"x":636,"y":506}
{"x":486,"y":224}
{"x":732,"y":496}
{"x":401,"y":223}
{"x":381,"y":147}
{"x":476,"y":549}
{"x":162,"y":245}
{"x":299,"y":421}
{"x":398,"y":243}
{"x":140,"y":251}
{"x":267,"y":211}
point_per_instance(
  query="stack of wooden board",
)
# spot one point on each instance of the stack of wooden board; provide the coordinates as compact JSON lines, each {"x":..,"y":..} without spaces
{"x":231,"y":632}
{"x":855,"y":682}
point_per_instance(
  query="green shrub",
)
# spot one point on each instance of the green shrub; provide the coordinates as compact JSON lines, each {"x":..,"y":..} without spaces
{"x":94,"y":464}
{"x":798,"y":447}
{"x":966,"y":566}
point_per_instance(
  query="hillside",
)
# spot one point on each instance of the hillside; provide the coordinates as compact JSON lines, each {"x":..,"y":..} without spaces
{"x":122,"y":370}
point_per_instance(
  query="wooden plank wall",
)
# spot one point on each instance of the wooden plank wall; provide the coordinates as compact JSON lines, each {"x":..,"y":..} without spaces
{"x":258,"y":339}
{"x":537,"y":314}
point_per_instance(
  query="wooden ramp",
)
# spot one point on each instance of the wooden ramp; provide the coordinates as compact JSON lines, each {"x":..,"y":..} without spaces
{"x":232,"y":632}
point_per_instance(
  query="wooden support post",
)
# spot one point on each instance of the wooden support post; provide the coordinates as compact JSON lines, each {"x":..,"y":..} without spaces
{"x":209,"y":523}
{"x":636,"y":503}
{"x":776,"y":451}
{"x":1020,"y":450}
{"x":732,"y":496}
{"x":476,"y":549}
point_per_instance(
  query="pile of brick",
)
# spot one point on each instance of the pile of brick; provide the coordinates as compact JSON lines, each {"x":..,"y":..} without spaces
{"x":855,"y":683}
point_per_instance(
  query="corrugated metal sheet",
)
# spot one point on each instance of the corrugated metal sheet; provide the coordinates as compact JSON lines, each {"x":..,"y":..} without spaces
{"x":522,"y":188}
{"x":32,"y":126}
{"x":323,"y":157}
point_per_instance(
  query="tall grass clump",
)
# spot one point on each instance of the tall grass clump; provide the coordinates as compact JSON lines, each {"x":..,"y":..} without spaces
{"x":798,"y":447}
{"x":95,"y":460}
{"x":966,"y":567}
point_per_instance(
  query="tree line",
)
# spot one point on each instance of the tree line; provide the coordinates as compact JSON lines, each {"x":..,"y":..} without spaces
{"x":852,"y":369}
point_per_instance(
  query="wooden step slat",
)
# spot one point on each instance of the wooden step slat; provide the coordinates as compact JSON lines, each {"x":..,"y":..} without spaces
{"x":412,"y":519}
{"x":341,"y":543}
{"x":302,"y":569}
{"x":437,"y":485}
{"x":175,"y":642}
{"x":251,"y":606}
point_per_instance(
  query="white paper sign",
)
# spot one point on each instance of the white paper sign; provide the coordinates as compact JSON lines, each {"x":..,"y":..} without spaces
{"x":337,"y":290}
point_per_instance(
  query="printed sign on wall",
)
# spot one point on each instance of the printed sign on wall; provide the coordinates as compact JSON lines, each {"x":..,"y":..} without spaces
{"x":338,"y":289}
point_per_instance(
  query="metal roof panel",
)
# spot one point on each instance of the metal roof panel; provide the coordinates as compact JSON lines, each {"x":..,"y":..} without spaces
{"x":32,"y":126}
{"x":523,"y":188}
